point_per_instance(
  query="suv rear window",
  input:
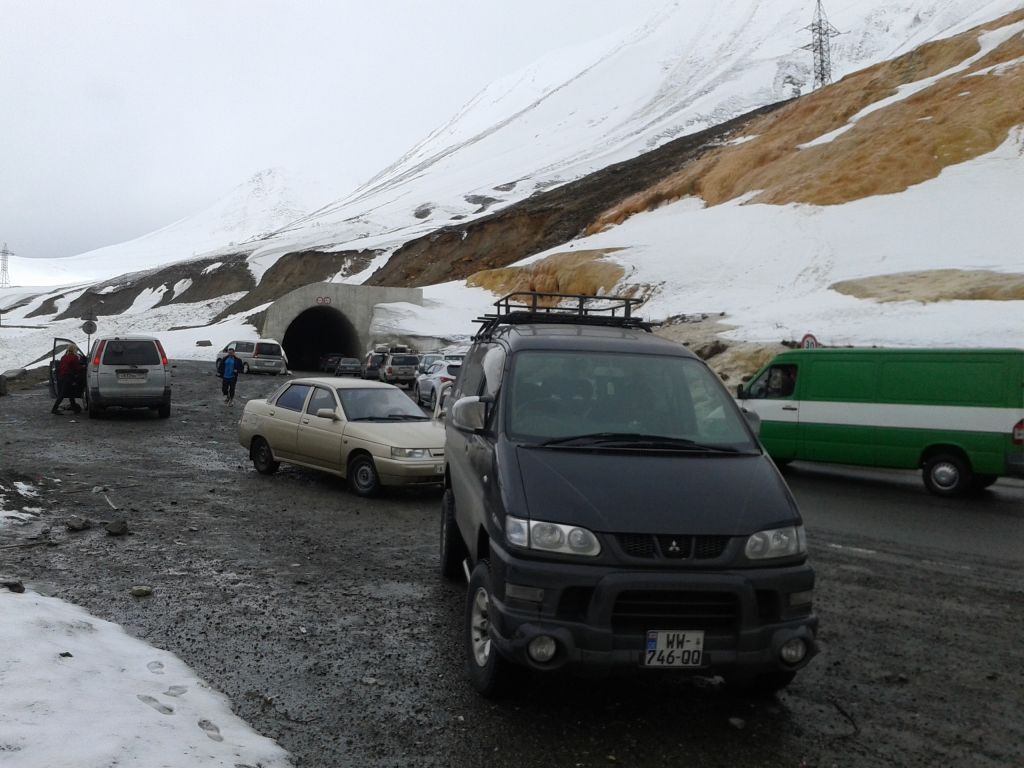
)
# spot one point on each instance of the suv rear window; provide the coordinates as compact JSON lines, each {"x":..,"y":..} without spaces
{"x":244,"y":346}
{"x":127,"y":352}
{"x":263,"y":348}
{"x":405,"y":360}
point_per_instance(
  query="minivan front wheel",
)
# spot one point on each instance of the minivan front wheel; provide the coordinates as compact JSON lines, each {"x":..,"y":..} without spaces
{"x":488,"y":670}
{"x":362,"y":476}
{"x":946,"y":474}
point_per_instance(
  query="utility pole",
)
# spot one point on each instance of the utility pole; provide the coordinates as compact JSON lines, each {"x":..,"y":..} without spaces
{"x":822,"y":33}
{"x":5,"y":275}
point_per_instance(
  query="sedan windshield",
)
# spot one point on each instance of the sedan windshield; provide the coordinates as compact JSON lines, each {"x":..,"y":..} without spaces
{"x":622,"y":401}
{"x":378,"y":405}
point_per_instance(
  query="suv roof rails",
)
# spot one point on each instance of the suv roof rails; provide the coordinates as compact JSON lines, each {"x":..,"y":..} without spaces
{"x":527,"y":307}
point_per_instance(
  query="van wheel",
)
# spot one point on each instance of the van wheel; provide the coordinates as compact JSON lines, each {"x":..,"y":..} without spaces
{"x":453,"y":548}
{"x":362,"y":476}
{"x":433,"y":400}
{"x":488,"y":670}
{"x":164,"y":411}
{"x":263,"y":457}
{"x":946,"y":474}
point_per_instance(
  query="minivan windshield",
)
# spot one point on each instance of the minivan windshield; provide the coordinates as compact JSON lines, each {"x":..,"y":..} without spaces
{"x":378,"y":405}
{"x":590,"y":399}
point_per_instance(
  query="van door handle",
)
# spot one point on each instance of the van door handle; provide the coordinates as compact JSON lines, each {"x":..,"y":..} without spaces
{"x":790,"y":408}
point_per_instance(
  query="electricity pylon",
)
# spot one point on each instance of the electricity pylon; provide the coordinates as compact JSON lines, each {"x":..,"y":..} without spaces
{"x":5,"y":275}
{"x":822,"y":33}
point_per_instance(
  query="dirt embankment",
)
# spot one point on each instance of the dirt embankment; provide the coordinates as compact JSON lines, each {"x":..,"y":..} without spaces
{"x":547,"y":219}
{"x":937,"y":285}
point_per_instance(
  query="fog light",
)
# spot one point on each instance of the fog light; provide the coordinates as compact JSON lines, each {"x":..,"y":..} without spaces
{"x":801,"y":598}
{"x":542,"y":649}
{"x":793,"y":651}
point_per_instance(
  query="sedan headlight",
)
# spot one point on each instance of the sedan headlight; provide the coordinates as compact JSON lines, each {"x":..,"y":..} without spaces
{"x":551,"y":537}
{"x":410,"y":453}
{"x":777,"y":542}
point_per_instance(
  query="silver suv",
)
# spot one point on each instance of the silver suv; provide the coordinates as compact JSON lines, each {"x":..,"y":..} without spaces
{"x":259,"y":356}
{"x":399,"y":368}
{"x":128,"y":372}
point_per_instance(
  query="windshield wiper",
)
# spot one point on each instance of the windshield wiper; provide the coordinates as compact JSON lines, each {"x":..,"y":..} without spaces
{"x":634,"y":440}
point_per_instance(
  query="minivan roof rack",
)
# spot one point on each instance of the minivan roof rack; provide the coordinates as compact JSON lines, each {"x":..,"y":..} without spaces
{"x":568,"y":308}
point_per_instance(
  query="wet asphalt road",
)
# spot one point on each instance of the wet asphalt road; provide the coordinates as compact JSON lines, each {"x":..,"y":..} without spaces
{"x":322,"y":617}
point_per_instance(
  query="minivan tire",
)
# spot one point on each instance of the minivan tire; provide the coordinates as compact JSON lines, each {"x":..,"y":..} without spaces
{"x":488,"y":670}
{"x":92,"y":410}
{"x":263,"y":457}
{"x":453,"y":548}
{"x":164,"y":411}
{"x":363,"y":479}
{"x":946,"y":474}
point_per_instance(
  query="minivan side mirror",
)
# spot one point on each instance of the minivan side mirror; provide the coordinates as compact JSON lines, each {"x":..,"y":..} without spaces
{"x":753,"y":419}
{"x":469,"y":413}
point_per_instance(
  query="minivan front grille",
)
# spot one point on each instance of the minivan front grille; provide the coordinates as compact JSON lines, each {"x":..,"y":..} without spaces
{"x":643,"y":610}
{"x":684,"y":547}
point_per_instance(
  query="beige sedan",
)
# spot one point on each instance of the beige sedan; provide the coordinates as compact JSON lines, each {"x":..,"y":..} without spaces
{"x":368,"y":432}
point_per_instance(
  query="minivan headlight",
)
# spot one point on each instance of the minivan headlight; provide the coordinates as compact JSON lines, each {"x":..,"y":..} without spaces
{"x":410,"y":453}
{"x":777,"y":542}
{"x":551,"y":537}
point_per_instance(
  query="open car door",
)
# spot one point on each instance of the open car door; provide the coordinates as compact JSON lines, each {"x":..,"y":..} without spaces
{"x":59,"y":345}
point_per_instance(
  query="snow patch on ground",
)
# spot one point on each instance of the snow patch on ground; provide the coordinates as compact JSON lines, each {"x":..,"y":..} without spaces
{"x":78,"y":691}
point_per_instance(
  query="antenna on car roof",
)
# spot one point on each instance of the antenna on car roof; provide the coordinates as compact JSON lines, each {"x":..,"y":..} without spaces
{"x":567,"y":308}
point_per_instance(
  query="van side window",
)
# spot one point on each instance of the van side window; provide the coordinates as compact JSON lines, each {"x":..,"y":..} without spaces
{"x":778,"y":381}
{"x":471,"y":377}
{"x":293,"y":397}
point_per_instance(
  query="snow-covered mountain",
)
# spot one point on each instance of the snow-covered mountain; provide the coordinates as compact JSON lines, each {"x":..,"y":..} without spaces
{"x":268,"y":200}
{"x":771,"y":268}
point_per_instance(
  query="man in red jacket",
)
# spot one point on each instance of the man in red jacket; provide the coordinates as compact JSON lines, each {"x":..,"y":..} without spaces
{"x":70,"y":373}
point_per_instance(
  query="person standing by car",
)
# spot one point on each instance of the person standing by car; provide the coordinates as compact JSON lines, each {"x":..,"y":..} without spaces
{"x":228,"y":369}
{"x":70,"y":377}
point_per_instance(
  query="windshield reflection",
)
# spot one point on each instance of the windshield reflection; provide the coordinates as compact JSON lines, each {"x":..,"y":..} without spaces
{"x":378,"y":404}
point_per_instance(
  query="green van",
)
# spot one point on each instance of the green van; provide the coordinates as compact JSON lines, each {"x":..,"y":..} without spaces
{"x":957,"y":414}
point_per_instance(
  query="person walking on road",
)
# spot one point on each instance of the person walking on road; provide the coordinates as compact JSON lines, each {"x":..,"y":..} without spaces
{"x":228,"y":369}
{"x":70,"y":377}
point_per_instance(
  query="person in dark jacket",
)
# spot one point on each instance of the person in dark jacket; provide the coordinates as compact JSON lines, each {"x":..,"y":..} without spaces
{"x":228,"y":369}
{"x":70,"y":380}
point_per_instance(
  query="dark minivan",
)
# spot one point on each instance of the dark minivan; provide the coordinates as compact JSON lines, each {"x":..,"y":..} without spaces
{"x":611,"y":506}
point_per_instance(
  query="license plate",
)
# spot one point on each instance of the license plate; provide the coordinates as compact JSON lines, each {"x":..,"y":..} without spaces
{"x":674,"y":649}
{"x":131,"y":378}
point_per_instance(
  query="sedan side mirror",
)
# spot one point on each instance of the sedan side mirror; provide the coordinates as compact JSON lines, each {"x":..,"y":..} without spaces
{"x":328,"y":413}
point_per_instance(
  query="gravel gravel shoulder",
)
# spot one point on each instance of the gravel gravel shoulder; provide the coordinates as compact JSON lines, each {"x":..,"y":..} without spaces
{"x":323,"y":618}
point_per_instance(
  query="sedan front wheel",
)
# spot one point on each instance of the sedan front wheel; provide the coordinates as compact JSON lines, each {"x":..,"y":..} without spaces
{"x":362,"y":476}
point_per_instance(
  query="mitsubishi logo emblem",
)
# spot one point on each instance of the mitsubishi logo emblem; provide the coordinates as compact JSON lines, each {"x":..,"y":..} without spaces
{"x":674,"y":546}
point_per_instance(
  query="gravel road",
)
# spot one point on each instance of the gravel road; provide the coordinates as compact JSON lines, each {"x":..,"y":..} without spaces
{"x":323,"y":619}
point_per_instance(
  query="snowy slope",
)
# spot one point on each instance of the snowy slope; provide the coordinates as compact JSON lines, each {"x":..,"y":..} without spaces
{"x":265,"y":202}
{"x":693,"y":65}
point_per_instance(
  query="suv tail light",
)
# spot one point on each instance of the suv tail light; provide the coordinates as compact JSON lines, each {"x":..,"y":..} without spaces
{"x":1018,"y":433}
{"x":99,"y":353}
{"x":389,"y":370}
{"x":163,"y":355}
{"x":446,"y":379}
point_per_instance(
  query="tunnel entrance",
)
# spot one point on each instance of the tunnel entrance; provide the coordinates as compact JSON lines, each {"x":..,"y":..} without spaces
{"x":317,"y":331}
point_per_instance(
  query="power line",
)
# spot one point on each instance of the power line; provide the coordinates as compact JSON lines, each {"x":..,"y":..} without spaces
{"x":820,"y":46}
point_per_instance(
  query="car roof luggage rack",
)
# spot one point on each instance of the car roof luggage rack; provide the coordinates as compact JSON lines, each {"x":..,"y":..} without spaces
{"x":571,"y":309}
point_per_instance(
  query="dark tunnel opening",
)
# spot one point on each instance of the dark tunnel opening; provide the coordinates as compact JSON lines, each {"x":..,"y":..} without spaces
{"x":315,"y":332}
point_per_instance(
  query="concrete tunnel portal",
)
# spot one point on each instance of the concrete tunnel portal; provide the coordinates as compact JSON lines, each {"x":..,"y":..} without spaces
{"x":328,"y":317}
{"x":317,"y":331}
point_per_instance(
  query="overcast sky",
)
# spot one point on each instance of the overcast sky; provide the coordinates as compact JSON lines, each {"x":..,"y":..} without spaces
{"x":121,"y":116}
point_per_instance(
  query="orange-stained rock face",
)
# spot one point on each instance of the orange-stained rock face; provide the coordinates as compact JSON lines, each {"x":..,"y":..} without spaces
{"x":576,"y":272}
{"x":958,"y":118}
